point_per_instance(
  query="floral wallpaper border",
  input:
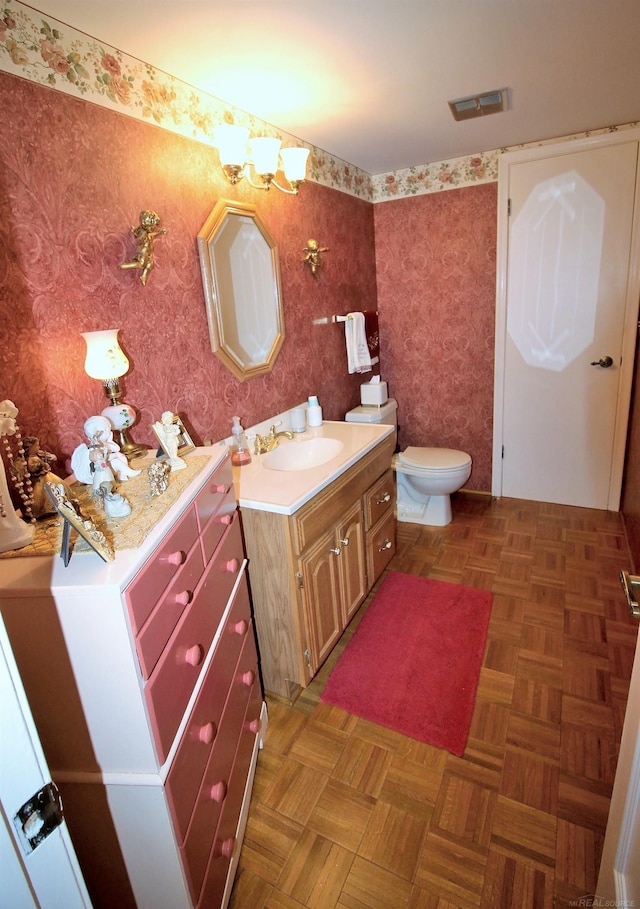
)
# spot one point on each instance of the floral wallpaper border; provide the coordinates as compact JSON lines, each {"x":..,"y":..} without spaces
{"x":458,"y":172}
{"x":45,"y":51}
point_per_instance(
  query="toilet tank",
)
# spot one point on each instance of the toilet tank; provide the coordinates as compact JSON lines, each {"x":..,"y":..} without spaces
{"x":386,"y":413}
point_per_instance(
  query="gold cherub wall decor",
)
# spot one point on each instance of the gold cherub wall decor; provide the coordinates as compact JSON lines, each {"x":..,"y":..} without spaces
{"x":145,"y":234}
{"x":312,"y":256}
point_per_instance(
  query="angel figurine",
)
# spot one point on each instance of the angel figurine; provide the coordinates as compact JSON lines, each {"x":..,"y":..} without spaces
{"x":145,"y":234}
{"x":98,"y":430}
{"x":312,"y":255}
{"x":168,"y":432}
{"x":104,"y":481}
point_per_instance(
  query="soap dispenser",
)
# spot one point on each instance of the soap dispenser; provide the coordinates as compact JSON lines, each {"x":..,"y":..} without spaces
{"x":314,"y":412}
{"x":240,"y":453}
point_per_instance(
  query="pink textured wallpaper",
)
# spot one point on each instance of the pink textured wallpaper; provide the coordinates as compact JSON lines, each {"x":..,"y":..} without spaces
{"x":436,"y":273}
{"x":73,"y":180}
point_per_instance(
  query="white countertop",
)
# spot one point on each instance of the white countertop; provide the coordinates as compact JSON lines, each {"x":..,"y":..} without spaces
{"x":284,"y":491}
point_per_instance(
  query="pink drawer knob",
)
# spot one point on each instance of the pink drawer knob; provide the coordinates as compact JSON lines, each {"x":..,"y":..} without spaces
{"x":241,"y":627}
{"x":254,"y":726}
{"x":175,"y":558}
{"x":226,"y":519}
{"x":194,"y":655}
{"x":219,"y":488}
{"x":248,"y":678}
{"x":183,"y":598}
{"x":219,"y":792}
{"x":231,"y":566}
{"x":207,"y":733}
{"x":228,"y":846}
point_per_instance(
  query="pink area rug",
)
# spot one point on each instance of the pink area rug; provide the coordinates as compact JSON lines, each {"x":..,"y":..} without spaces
{"x":414,"y":660}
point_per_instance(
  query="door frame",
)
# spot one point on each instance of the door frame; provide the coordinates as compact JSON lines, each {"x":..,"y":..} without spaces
{"x":618,"y":866}
{"x":632,"y":301}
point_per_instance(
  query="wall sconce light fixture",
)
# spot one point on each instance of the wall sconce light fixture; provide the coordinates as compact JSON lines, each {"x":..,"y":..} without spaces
{"x":238,"y":153}
{"x":106,"y":361}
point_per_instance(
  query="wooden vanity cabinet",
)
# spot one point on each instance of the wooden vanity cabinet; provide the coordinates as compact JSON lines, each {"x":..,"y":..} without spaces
{"x":142,"y":675}
{"x":311,"y":570}
{"x":332,"y":581}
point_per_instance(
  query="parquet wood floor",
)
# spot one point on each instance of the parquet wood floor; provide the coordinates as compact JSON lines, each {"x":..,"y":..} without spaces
{"x":347,"y":814}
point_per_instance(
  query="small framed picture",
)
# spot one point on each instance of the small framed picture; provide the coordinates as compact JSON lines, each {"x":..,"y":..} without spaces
{"x":69,"y":509}
{"x":179,"y":433}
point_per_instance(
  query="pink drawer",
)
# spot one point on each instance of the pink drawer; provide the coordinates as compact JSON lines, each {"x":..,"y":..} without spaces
{"x":210,"y":498}
{"x":217,"y":524}
{"x":142,"y":594}
{"x":219,"y":784}
{"x":151,"y":641}
{"x":226,"y":562}
{"x":202,"y":734}
{"x":225,"y":845}
{"x":172,"y":681}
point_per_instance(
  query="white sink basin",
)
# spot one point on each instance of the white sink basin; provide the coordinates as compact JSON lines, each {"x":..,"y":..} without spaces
{"x":302,"y":455}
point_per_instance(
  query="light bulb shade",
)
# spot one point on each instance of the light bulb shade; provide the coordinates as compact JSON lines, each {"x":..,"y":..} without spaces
{"x":105,"y":359}
{"x":231,"y":142}
{"x":263,"y":153}
{"x":294,"y":163}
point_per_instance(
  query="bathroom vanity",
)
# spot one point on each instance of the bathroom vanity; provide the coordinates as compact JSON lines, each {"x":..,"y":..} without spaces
{"x":142,"y":676}
{"x":317,"y":539}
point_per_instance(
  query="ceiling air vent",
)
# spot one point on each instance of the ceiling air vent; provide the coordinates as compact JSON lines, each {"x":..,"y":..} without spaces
{"x":479,"y":105}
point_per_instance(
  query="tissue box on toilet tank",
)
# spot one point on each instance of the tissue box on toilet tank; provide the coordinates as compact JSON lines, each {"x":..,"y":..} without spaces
{"x":373,"y":394}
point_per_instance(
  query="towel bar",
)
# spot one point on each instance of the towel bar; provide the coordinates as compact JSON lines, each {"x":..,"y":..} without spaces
{"x":344,"y":318}
{"x":631,"y":586}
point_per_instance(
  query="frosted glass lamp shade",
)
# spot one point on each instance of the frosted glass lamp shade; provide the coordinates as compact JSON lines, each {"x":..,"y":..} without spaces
{"x":264,"y":155}
{"x":105,"y":359}
{"x":231,"y":142}
{"x":294,"y":163}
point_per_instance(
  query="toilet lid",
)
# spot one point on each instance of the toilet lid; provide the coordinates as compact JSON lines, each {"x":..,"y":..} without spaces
{"x":438,"y":458}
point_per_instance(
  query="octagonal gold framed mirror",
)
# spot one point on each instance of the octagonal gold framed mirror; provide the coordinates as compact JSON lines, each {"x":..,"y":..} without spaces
{"x":241,"y":279}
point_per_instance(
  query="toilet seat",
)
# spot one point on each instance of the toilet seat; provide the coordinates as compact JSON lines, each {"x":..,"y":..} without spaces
{"x":442,"y":460}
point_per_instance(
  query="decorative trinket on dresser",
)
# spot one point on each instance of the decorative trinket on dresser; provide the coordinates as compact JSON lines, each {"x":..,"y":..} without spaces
{"x":14,"y":534}
{"x":33,"y":463}
{"x":99,"y":429}
{"x":158,"y":474}
{"x":69,"y":509}
{"x":173,"y":438}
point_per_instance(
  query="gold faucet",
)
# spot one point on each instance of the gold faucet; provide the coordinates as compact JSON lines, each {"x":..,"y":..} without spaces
{"x":263,"y":444}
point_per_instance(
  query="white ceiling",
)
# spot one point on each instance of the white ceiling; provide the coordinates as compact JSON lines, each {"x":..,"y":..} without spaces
{"x":369,"y":80}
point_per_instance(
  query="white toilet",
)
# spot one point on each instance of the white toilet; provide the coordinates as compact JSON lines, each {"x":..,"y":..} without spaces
{"x":425,"y":477}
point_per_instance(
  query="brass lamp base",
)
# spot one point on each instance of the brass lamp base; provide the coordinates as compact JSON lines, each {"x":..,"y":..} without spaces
{"x":128,"y":447}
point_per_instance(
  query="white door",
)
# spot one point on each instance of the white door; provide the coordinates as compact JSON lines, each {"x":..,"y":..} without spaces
{"x":38,"y":868}
{"x":565,"y":320}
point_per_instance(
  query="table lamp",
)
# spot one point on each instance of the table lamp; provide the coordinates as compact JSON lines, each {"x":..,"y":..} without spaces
{"x":106,"y":361}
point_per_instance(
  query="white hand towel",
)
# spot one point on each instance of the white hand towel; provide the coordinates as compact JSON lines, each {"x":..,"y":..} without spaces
{"x":358,"y":357}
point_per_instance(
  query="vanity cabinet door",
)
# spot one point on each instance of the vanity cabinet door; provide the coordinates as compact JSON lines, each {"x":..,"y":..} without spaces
{"x":321,"y":599}
{"x":350,"y":541}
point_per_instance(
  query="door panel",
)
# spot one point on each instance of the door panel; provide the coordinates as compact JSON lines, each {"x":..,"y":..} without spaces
{"x":352,"y":557}
{"x":321,"y":598}
{"x":567,"y":306}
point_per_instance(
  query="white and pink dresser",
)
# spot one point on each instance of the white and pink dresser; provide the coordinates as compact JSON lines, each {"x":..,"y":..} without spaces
{"x":142,"y":676}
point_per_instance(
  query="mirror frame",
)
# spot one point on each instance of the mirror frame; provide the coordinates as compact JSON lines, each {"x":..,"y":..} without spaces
{"x":212,"y":228}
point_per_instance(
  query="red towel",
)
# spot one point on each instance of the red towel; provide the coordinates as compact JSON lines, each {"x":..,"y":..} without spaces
{"x":371,"y":331}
